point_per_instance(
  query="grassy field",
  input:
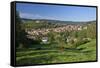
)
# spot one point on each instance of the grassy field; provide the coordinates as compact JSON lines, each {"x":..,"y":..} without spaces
{"x":85,"y":52}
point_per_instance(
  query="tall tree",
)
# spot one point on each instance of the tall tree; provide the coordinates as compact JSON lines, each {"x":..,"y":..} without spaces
{"x":20,"y":32}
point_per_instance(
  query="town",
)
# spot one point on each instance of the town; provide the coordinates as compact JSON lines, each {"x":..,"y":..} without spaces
{"x":44,"y":31}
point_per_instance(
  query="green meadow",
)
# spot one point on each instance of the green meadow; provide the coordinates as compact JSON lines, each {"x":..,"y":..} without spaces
{"x":85,"y":52}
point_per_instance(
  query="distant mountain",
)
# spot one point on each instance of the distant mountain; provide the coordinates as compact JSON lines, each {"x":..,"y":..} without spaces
{"x":54,"y":21}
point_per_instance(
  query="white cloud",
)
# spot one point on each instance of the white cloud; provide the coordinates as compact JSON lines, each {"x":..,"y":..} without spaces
{"x":35,"y":16}
{"x":29,"y":15}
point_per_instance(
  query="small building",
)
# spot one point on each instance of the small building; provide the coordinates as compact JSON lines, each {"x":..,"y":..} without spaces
{"x":45,"y":39}
{"x":80,"y":28}
{"x":85,"y":27}
{"x":37,"y":21}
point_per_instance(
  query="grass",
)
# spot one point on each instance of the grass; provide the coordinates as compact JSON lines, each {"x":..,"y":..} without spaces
{"x":85,"y":52}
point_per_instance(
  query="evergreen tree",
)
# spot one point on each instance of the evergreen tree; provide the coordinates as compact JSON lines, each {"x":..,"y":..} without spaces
{"x":20,"y":33}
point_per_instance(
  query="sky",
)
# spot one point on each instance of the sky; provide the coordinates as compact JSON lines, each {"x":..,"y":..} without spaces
{"x":56,"y":12}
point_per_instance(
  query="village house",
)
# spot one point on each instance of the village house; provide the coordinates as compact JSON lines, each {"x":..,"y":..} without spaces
{"x":45,"y":39}
{"x":64,"y":28}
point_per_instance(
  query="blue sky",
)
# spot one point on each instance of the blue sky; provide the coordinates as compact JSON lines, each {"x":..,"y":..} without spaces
{"x":56,"y":12}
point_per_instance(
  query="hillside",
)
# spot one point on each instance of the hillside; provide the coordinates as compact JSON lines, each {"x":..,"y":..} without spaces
{"x":56,"y":21}
{"x":85,"y":52}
